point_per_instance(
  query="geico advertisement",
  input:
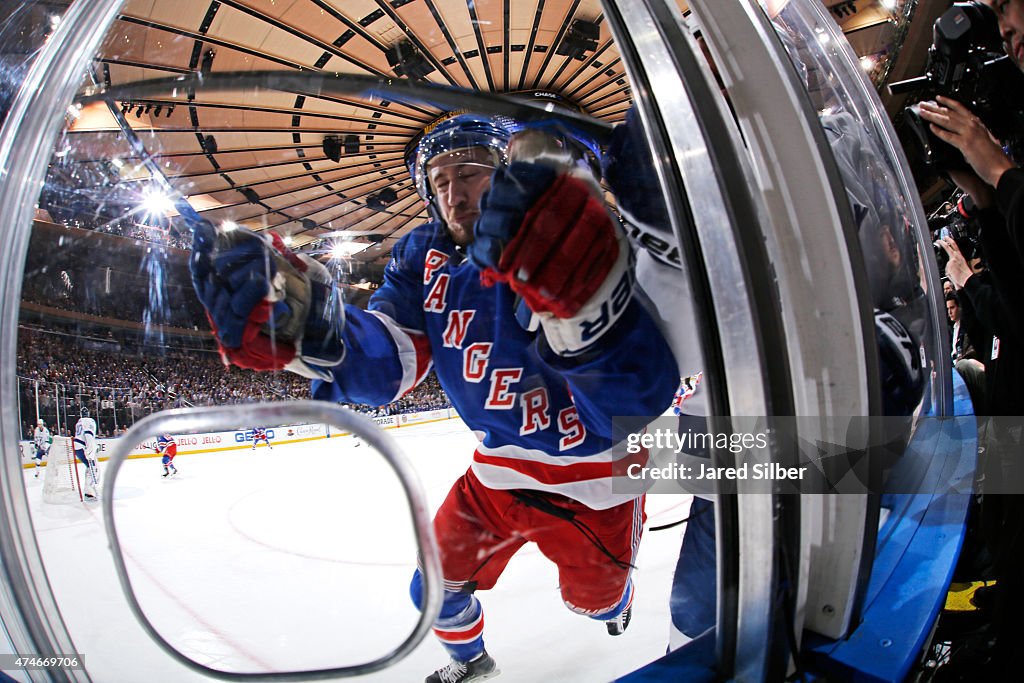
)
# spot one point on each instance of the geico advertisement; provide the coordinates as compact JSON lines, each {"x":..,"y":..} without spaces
{"x":199,"y":443}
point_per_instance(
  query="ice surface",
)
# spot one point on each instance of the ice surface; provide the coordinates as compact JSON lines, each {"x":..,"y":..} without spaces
{"x":300,"y":557}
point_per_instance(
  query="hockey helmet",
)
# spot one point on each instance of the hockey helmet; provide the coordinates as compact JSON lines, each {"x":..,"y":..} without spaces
{"x":904,"y":378}
{"x":85,"y":412}
{"x":464,"y":131}
{"x":41,"y":422}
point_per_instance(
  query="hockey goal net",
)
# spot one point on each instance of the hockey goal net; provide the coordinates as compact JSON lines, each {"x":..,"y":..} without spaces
{"x":62,"y":483}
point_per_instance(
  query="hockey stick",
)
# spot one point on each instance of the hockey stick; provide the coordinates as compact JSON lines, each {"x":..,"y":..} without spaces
{"x":684,"y":520}
{"x":316,"y":84}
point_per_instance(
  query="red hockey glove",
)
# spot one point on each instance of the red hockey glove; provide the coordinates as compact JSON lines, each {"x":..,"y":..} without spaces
{"x":548,"y":235}
{"x":269,"y":309}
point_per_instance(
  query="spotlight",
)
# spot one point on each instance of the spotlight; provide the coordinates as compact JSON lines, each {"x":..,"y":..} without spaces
{"x":405,"y":60}
{"x":582,"y":37}
{"x":381,"y":200}
{"x":159,"y":108}
{"x":332,"y":148}
{"x":210,"y":144}
{"x":228,"y":226}
{"x":342,"y":248}
{"x":170,"y":110}
{"x":250,"y":195}
{"x":156,"y":203}
{"x":308,"y":224}
{"x":351,"y":144}
{"x":125,"y":107}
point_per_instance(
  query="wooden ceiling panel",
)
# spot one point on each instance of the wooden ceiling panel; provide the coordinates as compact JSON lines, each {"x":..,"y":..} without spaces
{"x":271,"y":141}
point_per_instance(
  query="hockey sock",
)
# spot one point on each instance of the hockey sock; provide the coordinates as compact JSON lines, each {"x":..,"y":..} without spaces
{"x":459,"y":626}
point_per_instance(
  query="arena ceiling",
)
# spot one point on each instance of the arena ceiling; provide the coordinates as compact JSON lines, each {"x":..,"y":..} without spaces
{"x":312,"y":165}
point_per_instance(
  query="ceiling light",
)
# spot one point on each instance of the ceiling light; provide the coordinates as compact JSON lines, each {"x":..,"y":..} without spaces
{"x":345,"y":248}
{"x":332,"y":148}
{"x":405,"y":60}
{"x":228,"y":226}
{"x":581,"y":38}
{"x":156,"y":203}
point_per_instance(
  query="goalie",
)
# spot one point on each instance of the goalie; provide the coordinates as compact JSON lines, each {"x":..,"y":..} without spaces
{"x":85,"y":451}
{"x":519,"y":293}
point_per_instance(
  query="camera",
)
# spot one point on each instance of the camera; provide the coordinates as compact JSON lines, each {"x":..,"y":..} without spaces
{"x":963,"y":232}
{"x":966,"y":62}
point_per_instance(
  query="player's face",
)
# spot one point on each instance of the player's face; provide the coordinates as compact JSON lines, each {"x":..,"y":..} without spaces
{"x":1011,"y":27}
{"x":459,"y":179}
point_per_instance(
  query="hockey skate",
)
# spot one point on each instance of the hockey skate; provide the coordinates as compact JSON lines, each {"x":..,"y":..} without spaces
{"x":479,"y":669}
{"x":617,"y":626}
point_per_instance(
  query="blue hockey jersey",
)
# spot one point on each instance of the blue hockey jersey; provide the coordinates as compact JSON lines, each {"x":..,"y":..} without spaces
{"x":544,"y":422}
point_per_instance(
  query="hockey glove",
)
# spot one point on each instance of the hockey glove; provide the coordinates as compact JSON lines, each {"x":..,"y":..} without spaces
{"x":269,"y":309}
{"x":629,"y":170}
{"x":547,"y":234}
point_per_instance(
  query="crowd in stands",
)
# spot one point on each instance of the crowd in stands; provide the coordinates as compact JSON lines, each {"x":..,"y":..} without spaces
{"x":121,"y":381}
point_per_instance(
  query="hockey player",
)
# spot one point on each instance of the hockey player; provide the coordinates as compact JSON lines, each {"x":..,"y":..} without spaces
{"x":42,"y":440}
{"x":85,"y":451}
{"x":687,"y":388}
{"x":260,"y":434}
{"x":536,"y":338}
{"x":168,"y":448}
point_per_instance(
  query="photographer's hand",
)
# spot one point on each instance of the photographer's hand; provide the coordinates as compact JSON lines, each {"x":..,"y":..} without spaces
{"x":952,"y":122}
{"x":957,"y":269}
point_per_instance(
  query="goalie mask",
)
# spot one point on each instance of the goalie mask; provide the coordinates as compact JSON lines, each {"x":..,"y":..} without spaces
{"x":451,"y":137}
{"x":85,"y":412}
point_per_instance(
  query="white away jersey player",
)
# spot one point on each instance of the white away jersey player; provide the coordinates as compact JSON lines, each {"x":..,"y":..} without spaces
{"x":85,"y":436}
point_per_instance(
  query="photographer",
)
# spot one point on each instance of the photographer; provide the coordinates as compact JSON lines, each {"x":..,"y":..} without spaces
{"x":994,"y":298}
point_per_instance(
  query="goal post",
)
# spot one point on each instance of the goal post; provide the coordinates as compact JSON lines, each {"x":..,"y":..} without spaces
{"x":61,"y":483}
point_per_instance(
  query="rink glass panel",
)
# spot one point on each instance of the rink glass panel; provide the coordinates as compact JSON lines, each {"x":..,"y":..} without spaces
{"x":109,"y":320}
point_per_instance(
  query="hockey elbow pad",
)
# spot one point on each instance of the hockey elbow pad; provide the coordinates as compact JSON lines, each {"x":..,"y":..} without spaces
{"x":269,"y":309}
